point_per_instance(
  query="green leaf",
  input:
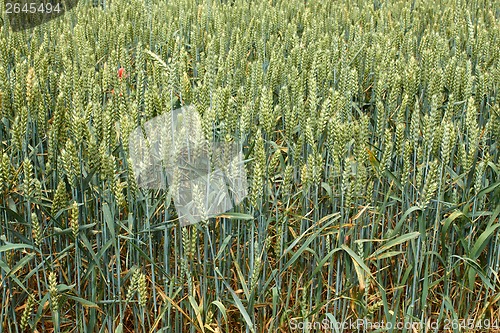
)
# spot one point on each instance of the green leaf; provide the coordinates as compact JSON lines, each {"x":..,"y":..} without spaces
{"x":5,"y":268}
{"x":108,"y":218}
{"x":83,"y":302}
{"x":12,"y":246}
{"x":197,"y":312}
{"x":21,"y":264}
{"x":447,"y":222}
{"x":325,"y":259}
{"x":64,"y":287}
{"x":243,"y":311}
{"x":389,"y":254}
{"x":359,"y":266}
{"x":403,"y":218}
{"x":222,"y":309}
{"x":238,"y":303}
{"x":482,"y":241}
{"x":223,"y":247}
{"x":399,"y":240}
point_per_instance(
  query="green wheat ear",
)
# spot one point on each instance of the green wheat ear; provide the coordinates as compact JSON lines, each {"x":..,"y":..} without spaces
{"x":54,"y":293}
{"x":27,"y":312}
{"x":60,"y":198}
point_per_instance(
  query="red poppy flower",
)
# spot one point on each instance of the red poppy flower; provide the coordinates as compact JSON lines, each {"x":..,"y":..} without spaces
{"x":121,"y":71}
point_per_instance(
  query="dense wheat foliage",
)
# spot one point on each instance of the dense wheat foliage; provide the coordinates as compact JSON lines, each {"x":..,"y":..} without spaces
{"x":371,"y":135}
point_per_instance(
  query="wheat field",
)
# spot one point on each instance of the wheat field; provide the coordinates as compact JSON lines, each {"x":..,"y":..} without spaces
{"x":370,"y":135}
